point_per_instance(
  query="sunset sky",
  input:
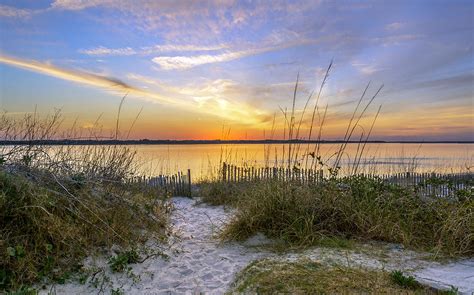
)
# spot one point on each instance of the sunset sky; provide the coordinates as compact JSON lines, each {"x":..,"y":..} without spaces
{"x":196,"y":67}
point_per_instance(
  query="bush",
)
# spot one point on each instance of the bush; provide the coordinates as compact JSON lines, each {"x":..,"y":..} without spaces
{"x":119,"y":262}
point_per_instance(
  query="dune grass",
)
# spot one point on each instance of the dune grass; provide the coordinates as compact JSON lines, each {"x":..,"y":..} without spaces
{"x":46,"y":232}
{"x":348,"y":208}
{"x":308,"y":277}
{"x":60,"y":204}
{"x":219,"y":193}
{"x":352,"y":207}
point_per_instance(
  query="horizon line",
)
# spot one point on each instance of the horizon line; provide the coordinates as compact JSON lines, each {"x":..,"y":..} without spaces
{"x":146,"y":141}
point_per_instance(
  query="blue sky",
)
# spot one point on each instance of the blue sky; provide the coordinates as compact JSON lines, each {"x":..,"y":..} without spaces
{"x":195,"y":66}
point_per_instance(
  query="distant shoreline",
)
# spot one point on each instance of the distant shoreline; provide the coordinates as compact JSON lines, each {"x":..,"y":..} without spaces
{"x":195,"y":142}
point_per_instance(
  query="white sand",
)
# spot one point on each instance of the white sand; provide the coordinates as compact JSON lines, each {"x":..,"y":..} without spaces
{"x":198,"y":263}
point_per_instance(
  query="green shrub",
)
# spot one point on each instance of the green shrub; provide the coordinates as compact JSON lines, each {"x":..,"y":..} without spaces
{"x":119,"y":262}
{"x":400,"y":279}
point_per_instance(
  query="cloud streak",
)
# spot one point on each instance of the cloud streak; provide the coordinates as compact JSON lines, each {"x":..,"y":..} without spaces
{"x":366,"y":69}
{"x":146,"y":50}
{"x":103,"y":51}
{"x":188,"y":47}
{"x":12,"y":12}
{"x":78,"y":5}
{"x":187,"y":62}
{"x":394,"y":26}
{"x":70,"y":75}
{"x":217,"y":106}
{"x":84,"y":78}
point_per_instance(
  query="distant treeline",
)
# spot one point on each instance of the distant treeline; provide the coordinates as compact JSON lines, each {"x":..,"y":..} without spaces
{"x":189,"y":142}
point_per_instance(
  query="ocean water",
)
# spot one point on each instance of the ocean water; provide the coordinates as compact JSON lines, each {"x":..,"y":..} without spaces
{"x":379,"y":158}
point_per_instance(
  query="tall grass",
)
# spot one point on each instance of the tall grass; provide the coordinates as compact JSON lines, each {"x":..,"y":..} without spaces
{"x":298,"y":125}
{"x":353,"y":207}
{"x":98,"y":162}
{"x":350,"y":207}
{"x":61,"y":203}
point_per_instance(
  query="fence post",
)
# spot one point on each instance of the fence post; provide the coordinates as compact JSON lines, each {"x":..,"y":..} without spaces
{"x":224,"y":171}
{"x":181,"y":183}
{"x":189,"y":182}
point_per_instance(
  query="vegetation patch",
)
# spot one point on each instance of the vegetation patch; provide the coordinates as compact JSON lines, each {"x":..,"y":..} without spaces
{"x":354,"y":207}
{"x":119,"y":262}
{"x":308,"y":277}
{"x":402,"y":280}
{"x":219,"y":193}
{"x":45,"y":232}
{"x":59,"y":204}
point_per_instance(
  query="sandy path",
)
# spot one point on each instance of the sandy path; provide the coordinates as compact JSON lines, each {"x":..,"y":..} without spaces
{"x":198,"y":263}
{"x":203,"y":264}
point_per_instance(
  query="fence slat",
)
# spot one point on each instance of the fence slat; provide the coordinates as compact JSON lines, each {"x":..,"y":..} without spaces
{"x":177,"y":184}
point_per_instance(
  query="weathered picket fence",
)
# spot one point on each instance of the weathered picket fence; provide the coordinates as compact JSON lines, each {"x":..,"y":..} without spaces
{"x":232,"y":173}
{"x":178,"y":184}
{"x":425,"y":183}
{"x":432,"y":183}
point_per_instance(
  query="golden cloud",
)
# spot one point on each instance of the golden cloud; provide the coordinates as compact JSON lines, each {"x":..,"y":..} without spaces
{"x":214,"y":105}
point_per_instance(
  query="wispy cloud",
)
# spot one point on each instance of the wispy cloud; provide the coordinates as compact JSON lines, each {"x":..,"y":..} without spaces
{"x":365,"y":68}
{"x":146,"y":50}
{"x":8,"y":11}
{"x":78,"y":5}
{"x":85,"y":78}
{"x":217,"y":106}
{"x":155,"y":82}
{"x":151,"y":15}
{"x":171,"y":47}
{"x":396,"y":39}
{"x":208,"y":19}
{"x":394,"y":26}
{"x":13,"y":12}
{"x":100,"y":51}
{"x":187,"y":62}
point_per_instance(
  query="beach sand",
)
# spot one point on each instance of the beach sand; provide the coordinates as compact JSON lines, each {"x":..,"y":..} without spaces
{"x":199,"y":263}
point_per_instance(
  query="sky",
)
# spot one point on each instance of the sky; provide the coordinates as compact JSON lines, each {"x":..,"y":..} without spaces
{"x":224,"y":69}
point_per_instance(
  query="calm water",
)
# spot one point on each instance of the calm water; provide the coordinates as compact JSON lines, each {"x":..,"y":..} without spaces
{"x":203,"y":160}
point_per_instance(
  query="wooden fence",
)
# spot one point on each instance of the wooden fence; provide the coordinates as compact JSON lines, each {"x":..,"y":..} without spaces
{"x":425,"y":183}
{"x":433,"y":184}
{"x":176,"y":185}
{"x":231,"y":173}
